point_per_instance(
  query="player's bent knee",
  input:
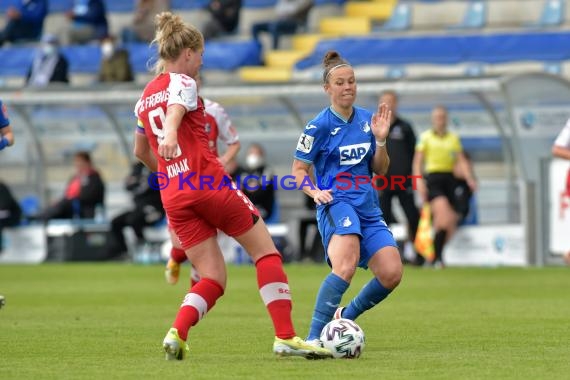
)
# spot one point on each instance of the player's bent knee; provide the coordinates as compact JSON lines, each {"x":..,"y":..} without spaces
{"x":391,"y":278}
{"x":344,"y":270}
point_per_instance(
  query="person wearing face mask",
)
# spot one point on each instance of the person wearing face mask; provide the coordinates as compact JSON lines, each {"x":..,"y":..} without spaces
{"x":255,"y":180}
{"x":115,"y":65}
{"x":49,"y":65}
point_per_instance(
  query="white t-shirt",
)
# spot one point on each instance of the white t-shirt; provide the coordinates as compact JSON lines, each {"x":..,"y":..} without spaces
{"x":563,"y":139}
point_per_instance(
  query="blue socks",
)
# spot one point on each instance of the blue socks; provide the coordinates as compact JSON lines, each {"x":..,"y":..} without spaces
{"x":328,"y":300}
{"x":370,"y":295}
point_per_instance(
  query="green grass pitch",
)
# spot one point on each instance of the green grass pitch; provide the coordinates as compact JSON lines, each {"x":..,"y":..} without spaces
{"x":107,"y":321}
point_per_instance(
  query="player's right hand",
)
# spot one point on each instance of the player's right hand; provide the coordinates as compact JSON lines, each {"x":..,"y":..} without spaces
{"x":168,"y":147}
{"x":322,"y":197}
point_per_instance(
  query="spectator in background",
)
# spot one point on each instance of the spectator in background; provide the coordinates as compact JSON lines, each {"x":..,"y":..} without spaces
{"x":561,"y":149}
{"x":255,"y":181}
{"x":6,"y":134}
{"x":400,"y":144}
{"x":224,"y":18}
{"x":25,"y":21}
{"x":49,"y":65}
{"x":88,"y":21}
{"x":83,"y":194}
{"x":142,"y":28}
{"x":289,"y":15}
{"x":441,"y":150}
{"x":10,"y":211}
{"x":147,"y":210}
{"x":115,"y":65}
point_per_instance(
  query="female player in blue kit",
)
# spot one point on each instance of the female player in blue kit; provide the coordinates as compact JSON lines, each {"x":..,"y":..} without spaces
{"x":347,"y":144}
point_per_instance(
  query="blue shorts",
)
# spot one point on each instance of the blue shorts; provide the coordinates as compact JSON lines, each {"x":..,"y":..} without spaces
{"x":342,"y":219}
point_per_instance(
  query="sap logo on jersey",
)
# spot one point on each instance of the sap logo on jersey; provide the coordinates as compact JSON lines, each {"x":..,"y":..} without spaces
{"x":353,"y":154}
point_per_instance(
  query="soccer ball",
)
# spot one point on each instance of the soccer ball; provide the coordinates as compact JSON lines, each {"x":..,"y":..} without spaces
{"x":344,"y":338}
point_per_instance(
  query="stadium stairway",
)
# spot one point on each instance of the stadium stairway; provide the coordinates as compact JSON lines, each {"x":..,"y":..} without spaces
{"x":358,"y":20}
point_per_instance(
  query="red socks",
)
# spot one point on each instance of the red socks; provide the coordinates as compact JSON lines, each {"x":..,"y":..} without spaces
{"x":274,"y":290}
{"x":273,"y":287}
{"x":201,"y":298}
{"x":178,"y":255}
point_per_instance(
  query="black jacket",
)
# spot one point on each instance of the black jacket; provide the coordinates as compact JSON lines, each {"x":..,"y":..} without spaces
{"x":226,"y":12}
{"x":10,"y":211}
{"x":261,"y":195}
{"x":137,"y":184}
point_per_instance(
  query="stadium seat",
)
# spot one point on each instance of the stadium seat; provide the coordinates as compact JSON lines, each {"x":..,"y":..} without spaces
{"x":395,"y":72}
{"x":474,"y":70}
{"x":345,"y":26}
{"x":552,"y":14}
{"x":400,"y":20}
{"x":275,"y":216}
{"x":30,"y":205}
{"x":186,"y":5}
{"x":306,"y":42}
{"x":283,"y":58}
{"x":475,"y":16}
{"x":256,"y":74}
{"x":375,"y":10}
{"x":554,"y":68}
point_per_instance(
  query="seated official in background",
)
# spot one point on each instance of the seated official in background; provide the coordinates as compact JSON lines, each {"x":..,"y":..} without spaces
{"x":83,"y":194}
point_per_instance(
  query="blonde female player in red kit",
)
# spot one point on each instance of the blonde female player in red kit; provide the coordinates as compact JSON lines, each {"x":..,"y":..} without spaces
{"x":218,"y":126}
{"x":171,"y":139}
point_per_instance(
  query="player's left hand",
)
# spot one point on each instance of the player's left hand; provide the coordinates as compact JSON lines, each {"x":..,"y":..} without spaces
{"x":381,"y":122}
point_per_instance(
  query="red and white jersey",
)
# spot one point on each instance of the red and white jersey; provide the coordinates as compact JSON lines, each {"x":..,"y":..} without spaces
{"x":563,"y":139}
{"x":195,"y":171}
{"x":218,"y":126}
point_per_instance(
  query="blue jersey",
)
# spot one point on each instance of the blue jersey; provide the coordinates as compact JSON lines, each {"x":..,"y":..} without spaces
{"x":4,"y":122}
{"x":340,"y":150}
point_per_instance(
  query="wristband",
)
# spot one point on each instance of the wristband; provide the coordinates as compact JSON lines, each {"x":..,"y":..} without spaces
{"x":381,"y":143}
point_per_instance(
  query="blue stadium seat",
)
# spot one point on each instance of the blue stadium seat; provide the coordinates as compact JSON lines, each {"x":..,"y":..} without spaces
{"x":401,"y":18}
{"x":219,"y":55}
{"x":474,"y":70}
{"x":475,"y":16}
{"x":275,"y":216}
{"x":187,"y":4}
{"x":552,"y":14}
{"x":396,"y":72}
{"x":30,"y":205}
{"x":452,"y":49}
{"x":259,"y":3}
{"x":554,"y":68}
